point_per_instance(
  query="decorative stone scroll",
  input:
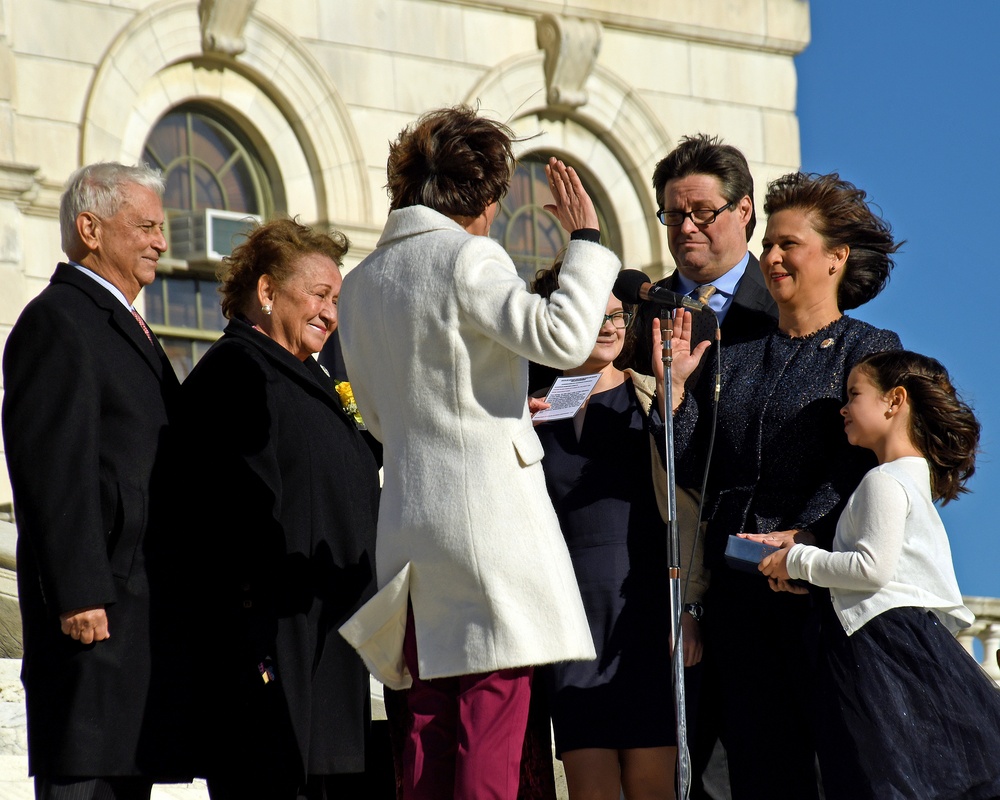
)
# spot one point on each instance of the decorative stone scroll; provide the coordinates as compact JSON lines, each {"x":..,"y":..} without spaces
{"x":222,"y":25}
{"x":571,"y":46}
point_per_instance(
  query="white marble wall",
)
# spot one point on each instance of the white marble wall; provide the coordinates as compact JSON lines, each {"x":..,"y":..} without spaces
{"x":327,"y":84}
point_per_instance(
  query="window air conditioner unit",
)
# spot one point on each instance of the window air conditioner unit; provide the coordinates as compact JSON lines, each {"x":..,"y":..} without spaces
{"x":208,"y":234}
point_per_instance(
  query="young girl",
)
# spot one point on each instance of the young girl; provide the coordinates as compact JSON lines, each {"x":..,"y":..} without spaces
{"x":909,"y":714}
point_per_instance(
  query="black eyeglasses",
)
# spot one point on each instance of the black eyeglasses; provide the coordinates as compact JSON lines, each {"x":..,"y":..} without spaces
{"x":699,"y":216}
{"x":620,"y":319}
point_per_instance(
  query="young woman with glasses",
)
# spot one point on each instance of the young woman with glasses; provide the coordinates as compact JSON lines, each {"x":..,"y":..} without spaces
{"x":613,"y":717}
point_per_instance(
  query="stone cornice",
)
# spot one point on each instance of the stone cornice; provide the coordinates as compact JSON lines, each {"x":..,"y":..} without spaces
{"x":22,"y":184}
{"x":656,"y":18}
{"x":17,"y":181}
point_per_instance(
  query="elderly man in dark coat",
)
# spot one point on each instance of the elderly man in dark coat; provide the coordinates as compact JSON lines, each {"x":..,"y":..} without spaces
{"x":85,"y":411}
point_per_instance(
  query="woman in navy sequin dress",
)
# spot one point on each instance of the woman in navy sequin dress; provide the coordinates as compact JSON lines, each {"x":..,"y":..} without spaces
{"x":782,"y":466}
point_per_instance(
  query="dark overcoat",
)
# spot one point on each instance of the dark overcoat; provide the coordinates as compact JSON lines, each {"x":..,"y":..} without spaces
{"x":85,"y":412}
{"x":287,"y":495}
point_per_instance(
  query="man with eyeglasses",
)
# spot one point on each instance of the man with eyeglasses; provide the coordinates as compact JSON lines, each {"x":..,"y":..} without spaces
{"x":704,"y":192}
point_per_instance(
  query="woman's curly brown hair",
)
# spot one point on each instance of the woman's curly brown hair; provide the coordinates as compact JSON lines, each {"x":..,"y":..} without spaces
{"x":841,"y":215}
{"x":272,"y":249}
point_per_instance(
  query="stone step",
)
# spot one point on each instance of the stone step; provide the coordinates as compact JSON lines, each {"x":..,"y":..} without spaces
{"x":16,"y":785}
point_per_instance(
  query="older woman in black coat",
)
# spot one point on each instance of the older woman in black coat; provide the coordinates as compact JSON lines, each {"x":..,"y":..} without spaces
{"x":286,"y":525}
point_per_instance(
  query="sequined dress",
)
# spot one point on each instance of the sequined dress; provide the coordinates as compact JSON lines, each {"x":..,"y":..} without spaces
{"x":781,"y":461}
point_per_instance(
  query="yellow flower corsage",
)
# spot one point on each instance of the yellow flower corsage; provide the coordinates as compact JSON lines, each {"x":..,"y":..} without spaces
{"x":349,"y":404}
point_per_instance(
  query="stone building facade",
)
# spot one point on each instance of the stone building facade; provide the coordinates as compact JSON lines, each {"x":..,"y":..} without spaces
{"x":286,"y":107}
{"x":270,"y":107}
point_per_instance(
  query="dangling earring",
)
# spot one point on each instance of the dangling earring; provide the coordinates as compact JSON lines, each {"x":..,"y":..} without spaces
{"x":266,"y":309}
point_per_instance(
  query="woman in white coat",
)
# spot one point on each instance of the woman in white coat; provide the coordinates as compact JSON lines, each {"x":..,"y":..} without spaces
{"x":475,"y":582}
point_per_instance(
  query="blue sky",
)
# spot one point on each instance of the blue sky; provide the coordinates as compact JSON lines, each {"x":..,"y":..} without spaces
{"x":903,"y":99}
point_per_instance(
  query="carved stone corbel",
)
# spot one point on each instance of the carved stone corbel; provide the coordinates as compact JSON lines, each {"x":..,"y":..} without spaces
{"x":571,"y":46}
{"x":18,"y":183}
{"x":222,"y":25}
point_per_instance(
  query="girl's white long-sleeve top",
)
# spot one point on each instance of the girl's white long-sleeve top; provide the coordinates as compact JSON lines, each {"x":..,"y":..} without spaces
{"x":890,"y":551}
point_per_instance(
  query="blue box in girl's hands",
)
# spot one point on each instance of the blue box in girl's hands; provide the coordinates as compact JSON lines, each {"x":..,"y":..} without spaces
{"x":745,"y":554}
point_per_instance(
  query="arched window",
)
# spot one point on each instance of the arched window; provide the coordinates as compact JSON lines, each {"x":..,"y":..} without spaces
{"x":215,"y":179}
{"x":530,"y":234}
{"x":206,"y":163}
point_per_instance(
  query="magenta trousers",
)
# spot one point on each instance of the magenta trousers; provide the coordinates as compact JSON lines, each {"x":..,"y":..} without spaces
{"x":468,"y":732}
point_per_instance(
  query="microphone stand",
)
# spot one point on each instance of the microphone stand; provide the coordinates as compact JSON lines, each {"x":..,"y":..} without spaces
{"x":674,"y":562}
{"x":634,"y":286}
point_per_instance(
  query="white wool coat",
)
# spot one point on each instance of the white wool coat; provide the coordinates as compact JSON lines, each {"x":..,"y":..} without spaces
{"x":437,"y":328}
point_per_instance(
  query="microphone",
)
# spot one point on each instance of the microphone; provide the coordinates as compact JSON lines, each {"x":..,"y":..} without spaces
{"x":633,"y":286}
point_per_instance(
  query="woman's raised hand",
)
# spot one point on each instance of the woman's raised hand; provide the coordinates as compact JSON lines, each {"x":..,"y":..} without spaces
{"x":572,"y":207}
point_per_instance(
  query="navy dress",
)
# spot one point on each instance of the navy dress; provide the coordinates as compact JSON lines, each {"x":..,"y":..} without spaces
{"x":602,"y":490}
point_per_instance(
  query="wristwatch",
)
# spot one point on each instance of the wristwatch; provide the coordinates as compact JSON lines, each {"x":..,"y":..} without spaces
{"x":696,"y":610}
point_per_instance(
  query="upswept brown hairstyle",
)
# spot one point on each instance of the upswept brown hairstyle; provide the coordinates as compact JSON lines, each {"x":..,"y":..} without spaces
{"x":451,"y":160}
{"x":272,"y":249}
{"x":841,"y":215}
{"x":942,"y":426}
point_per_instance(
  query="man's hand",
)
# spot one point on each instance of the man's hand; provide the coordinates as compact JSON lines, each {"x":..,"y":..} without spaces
{"x":86,"y":625}
{"x":685,"y":359}
{"x":692,"y":639}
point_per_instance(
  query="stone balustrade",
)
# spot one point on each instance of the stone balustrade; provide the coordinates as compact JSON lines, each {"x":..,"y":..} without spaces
{"x":986,"y":630}
{"x":10,"y":614}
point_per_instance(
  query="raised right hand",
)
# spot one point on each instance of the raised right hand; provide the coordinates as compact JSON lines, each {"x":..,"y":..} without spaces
{"x":685,"y":360}
{"x":572,"y":205}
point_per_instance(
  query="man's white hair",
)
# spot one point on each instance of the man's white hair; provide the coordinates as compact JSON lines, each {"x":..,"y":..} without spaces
{"x":98,"y":188}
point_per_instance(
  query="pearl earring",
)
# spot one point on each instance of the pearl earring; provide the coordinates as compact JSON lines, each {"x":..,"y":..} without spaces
{"x":266,"y":310}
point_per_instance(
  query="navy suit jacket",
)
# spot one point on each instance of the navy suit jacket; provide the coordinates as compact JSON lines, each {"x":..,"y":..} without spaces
{"x":751,"y":313}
